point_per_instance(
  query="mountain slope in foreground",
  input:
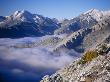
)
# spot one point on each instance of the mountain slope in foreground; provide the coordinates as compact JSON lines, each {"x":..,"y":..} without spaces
{"x":93,"y":66}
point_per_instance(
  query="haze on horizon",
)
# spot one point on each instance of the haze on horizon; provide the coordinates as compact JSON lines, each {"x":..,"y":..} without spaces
{"x":53,"y":8}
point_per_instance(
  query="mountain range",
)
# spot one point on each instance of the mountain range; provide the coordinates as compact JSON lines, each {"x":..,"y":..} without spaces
{"x":26,"y":24}
{"x":77,"y":30}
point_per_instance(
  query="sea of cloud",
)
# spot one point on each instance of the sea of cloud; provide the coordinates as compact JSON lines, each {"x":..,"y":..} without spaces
{"x":29,"y":64}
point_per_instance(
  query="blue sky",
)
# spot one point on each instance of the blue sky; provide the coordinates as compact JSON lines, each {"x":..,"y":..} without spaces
{"x":53,"y":8}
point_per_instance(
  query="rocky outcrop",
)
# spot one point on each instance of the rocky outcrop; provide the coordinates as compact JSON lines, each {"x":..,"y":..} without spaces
{"x":97,"y":70}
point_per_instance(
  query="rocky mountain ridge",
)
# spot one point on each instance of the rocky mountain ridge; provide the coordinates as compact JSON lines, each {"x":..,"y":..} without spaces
{"x":85,"y":20}
{"x":93,"y":66}
{"x":25,"y":24}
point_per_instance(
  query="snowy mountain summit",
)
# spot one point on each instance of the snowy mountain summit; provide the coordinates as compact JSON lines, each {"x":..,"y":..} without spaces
{"x":22,"y":15}
{"x":26,"y":24}
{"x":97,"y":14}
{"x":85,"y":20}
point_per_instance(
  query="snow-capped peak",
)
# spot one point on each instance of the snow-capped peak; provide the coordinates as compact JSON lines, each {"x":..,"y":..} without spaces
{"x":22,"y":13}
{"x":16,"y":13}
{"x":93,"y":11}
{"x":97,"y":14}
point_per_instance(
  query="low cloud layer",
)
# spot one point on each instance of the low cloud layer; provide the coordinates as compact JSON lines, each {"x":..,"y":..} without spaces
{"x":30,"y":64}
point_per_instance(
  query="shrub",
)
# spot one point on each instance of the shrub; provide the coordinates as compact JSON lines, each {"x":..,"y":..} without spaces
{"x":88,"y":56}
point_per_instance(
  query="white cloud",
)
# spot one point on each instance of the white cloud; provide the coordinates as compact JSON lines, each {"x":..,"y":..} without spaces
{"x":32,"y":61}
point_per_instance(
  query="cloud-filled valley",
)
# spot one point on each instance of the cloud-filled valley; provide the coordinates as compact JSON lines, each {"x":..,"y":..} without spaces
{"x":31,"y":63}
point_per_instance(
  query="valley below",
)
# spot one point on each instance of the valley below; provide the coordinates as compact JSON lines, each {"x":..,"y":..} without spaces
{"x":20,"y":61}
